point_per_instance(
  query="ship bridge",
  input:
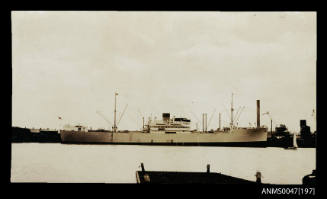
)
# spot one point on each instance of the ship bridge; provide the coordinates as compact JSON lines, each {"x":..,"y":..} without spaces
{"x":170,"y":125}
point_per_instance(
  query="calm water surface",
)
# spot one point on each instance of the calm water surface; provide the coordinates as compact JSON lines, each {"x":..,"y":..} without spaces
{"x":38,"y":162}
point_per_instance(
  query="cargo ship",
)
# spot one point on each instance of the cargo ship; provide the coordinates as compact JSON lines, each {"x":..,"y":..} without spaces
{"x":171,"y":131}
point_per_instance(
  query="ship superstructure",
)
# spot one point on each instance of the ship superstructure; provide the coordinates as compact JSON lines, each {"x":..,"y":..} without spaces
{"x":168,"y":125}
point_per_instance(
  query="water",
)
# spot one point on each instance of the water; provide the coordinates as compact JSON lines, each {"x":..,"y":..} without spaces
{"x":36,"y":162}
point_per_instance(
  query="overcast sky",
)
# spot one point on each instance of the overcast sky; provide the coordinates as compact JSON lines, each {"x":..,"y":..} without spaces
{"x":69,"y":64}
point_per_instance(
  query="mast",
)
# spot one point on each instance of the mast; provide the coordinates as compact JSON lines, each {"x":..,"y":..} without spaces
{"x":115,"y":126}
{"x":143,"y":123}
{"x":204,"y":122}
{"x":231,"y":117}
{"x":219,"y":121}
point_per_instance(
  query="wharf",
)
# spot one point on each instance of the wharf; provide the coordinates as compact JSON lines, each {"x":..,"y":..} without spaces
{"x":166,"y":177}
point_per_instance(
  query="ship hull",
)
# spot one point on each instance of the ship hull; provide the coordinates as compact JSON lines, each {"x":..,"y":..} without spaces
{"x":238,"y":137}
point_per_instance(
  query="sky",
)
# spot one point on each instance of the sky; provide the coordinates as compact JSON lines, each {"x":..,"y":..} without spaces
{"x":69,"y":64}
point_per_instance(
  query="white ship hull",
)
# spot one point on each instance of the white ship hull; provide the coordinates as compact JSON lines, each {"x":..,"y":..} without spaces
{"x":236,"y":137}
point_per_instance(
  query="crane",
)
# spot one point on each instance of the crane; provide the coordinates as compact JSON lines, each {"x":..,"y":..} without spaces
{"x":239,"y":113}
{"x":122,"y":114}
{"x":103,"y":117}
